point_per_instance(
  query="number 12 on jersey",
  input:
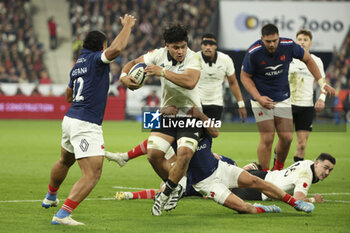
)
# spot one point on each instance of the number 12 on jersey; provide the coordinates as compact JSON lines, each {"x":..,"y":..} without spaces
{"x":78,"y":86}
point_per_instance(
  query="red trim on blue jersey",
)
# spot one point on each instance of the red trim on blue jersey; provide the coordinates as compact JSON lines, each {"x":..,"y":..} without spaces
{"x":286,"y":41}
{"x":252,"y":49}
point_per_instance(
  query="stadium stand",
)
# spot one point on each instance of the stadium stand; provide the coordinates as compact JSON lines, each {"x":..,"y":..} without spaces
{"x":21,"y":59}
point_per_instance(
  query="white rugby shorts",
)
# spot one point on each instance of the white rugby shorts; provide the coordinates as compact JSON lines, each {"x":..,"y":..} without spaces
{"x":84,"y":139}
{"x":282,"y":109}
{"x":218,"y":185}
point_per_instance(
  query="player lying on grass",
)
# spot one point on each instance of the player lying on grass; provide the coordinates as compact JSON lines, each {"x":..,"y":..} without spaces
{"x":187,"y":187}
{"x":212,"y":177}
{"x":295,"y":180}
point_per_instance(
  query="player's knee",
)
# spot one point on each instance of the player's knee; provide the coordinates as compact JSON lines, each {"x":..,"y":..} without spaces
{"x":256,"y":182}
{"x":267,"y":139}
{"x":286,"y":138}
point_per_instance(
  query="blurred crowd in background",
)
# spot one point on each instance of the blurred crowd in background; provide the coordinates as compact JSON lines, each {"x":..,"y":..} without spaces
{"x":152,"y":18}
{"x":21,"y":55}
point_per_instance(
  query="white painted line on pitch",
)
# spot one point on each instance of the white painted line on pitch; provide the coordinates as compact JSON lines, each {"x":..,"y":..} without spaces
{"x":332,"y":194}
{"x":338,"y":201}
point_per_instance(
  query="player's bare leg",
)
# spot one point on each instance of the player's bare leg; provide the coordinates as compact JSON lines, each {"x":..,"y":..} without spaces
{"x":91,"y":168}
{"x":267,"y":134}
{"x":60,"y":169}
{"x":156,"y":157}
{"x":179,"y":169}
{"x":59,"y":172}
{"x":160,"y":165}
{"x":236,"y":203}
{"x":284,"y":128}
{"x":302,"y":137}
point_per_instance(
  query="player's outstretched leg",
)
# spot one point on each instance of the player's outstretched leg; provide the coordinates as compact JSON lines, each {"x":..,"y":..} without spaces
{"x":174,"y":198}
{"x":123,"y":196}
{"x":304,"y":206}
{"x":268,"y":208}
{"x":120,"y":158}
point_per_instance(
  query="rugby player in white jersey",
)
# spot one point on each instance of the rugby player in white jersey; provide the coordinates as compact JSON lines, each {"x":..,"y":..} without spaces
{"x":215,"y":67}
{"x":179,"y":70}
{"x":302,"y":89}
{"x":82,"y":138}
{"x":294,"y":180}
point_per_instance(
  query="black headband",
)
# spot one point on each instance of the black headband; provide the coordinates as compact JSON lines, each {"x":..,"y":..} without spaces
{"x":208,"y":42}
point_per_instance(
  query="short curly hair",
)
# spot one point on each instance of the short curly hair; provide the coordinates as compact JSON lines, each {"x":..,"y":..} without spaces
{"x":94,"y":41}
{"x":175,"y":33}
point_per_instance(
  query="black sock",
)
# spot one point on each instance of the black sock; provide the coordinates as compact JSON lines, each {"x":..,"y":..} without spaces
{"x":169,"y":187}
{"x":296,"y":159}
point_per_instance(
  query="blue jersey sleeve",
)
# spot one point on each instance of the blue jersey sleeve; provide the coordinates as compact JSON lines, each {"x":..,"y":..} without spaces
{"x":70,"y":84}
{"x":298,"y":51}
{"x":247,"y":64}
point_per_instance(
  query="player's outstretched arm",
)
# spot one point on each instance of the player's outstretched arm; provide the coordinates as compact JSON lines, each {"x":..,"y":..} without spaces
{"x":121,"y":41}
{"x":301,"y":196}
{"x":313,"y":68}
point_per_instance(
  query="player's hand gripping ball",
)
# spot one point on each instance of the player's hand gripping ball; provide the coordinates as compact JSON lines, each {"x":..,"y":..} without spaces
{"x":137,"y":72}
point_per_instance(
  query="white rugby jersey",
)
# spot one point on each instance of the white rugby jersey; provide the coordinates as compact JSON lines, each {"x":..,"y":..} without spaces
{"x":212,"y":78}
{"x":296,"y":178}
{"x":172,"y":94}
{"x":301,"y":82}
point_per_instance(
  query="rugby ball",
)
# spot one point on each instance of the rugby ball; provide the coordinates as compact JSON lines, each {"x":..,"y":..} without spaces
{"x":137,"y":71}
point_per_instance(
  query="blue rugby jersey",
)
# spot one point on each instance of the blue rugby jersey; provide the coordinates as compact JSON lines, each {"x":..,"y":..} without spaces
{"x":89,"y":80}
{"x":270,"y":71}
{"x":202,"y":165}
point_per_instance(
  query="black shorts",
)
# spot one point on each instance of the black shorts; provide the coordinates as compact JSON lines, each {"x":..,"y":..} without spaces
{"x":248,"y":193}
{"x":302,"y":117}
{"x":179,"y":132}
{"x":213,"y":111}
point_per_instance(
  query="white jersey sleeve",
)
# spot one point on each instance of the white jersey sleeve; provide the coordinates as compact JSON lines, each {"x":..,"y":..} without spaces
{"x":230,"y":68}
{"x":152,"y":57}
{"x":194,"y":62}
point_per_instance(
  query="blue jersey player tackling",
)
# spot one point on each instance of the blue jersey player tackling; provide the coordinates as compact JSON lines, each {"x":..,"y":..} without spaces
{"x":265,"y":76}
{"x":82,"y":138}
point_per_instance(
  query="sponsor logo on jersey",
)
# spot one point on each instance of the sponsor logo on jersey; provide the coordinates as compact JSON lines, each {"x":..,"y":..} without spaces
{"x":273,"y":70}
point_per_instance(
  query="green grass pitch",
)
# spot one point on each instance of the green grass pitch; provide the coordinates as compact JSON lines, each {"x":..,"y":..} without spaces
{"x":28,"y":149}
